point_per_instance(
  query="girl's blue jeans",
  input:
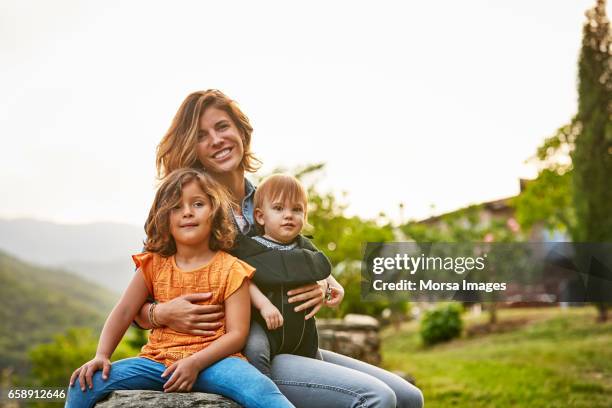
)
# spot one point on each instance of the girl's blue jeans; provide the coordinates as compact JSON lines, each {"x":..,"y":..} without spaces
{"x":231,"y":377}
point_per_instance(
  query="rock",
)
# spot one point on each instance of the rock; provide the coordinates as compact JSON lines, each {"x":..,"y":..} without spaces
{"x":350,"y":322}
{"x":362,"y":321}
{"x":156,"y":399}
{"x":355,"y":336}
{"x":331,"y":324}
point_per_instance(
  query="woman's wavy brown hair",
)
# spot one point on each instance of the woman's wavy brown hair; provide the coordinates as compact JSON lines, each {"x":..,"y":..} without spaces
{"x":157,"y":227}
{"x":177,"y":148}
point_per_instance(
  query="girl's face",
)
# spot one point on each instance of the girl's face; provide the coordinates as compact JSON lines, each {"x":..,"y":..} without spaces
{"x":191,"y":219}
{"x":281,"y":221}
{"x":219,"y":147}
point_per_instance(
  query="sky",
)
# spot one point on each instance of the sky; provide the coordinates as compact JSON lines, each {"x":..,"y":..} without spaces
{"x":435,"y":105}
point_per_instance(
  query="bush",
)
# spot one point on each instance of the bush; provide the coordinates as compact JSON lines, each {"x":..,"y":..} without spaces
{"x":53,"y":363}
{"x":441,"y":324}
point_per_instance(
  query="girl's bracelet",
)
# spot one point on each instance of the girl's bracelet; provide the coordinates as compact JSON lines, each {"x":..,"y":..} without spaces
{"x":152,"y":319}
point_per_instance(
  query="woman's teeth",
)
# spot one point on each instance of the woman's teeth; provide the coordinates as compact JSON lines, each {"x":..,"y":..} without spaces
{"x":222,"y":153}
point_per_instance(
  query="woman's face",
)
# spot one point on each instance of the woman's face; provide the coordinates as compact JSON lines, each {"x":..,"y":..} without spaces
{"x":219,"y":147}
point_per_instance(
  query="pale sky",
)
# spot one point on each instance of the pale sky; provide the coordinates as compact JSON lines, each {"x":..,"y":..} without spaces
{"x":428,"y":102}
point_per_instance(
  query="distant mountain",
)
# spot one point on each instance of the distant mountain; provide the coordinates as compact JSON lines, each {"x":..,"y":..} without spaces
{"x":114,"y":274}
{"x":100,"y":252}
{"x":37,"y":302}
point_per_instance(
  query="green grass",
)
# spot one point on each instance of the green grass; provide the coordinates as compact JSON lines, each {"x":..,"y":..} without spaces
{"x":560,"y":358}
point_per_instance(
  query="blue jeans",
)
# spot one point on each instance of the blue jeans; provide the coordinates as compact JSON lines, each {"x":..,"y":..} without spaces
{"x":341,"y":382}
{"x":231,"y":377}
{"x":258,"y":352}
{"x":332,"y":381}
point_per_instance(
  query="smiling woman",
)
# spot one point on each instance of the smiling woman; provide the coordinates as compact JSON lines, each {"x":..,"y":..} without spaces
{"x":210,"y":132}
{"x":220,"y":146}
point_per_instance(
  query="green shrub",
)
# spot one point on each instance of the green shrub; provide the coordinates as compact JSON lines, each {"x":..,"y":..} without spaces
{"x":54,"y":362}
{"x":441,"y":324}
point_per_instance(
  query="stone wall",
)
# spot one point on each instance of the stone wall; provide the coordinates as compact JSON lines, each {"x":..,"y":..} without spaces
{"x":354,"y":336}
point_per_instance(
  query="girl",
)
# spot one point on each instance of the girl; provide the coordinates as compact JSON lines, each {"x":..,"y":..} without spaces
{"x":188,"y":229}
{"x":210,"y":131}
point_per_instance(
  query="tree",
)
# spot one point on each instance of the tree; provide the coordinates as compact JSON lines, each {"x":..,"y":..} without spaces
{"x":592,"y":155}
{"x":548,"y":198}
{"x":572,"y":191}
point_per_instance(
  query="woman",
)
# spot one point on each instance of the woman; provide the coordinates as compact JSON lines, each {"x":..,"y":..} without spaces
{"x":209,"y":131}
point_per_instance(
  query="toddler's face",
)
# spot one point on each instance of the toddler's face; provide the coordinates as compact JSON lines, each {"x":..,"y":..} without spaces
{"x":281,"y":221}
{"x":190,"y":220}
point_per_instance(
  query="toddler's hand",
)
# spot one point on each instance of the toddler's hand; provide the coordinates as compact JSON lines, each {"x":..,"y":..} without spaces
{"x":87,"y":370}
{"x":272,"y":316}
{"x":184,"y":373}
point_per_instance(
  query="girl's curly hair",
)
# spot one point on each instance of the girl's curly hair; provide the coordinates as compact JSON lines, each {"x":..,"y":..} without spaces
{"x":157,"y":227}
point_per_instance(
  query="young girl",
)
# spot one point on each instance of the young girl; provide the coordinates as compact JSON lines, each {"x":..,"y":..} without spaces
{"x":188,"y":229}
{"x":284,"y":260}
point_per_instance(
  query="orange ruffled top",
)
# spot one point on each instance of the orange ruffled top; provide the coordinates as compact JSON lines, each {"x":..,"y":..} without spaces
{"x":222,"y":276}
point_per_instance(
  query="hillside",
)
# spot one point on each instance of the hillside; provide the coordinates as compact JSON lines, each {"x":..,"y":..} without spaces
{"x":38,"y":302}
{"x":99,"y":252}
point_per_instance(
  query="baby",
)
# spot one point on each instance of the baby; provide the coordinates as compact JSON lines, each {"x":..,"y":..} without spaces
{"x":283,"y":260}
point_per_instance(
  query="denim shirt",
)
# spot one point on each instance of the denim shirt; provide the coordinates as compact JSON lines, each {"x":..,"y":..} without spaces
{"x":247,"y":207}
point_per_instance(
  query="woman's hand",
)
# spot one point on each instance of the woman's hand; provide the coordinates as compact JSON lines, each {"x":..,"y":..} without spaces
{"x":86,"y":371}
{"x":312,"y":295}
{"x":181,"y":314}
{"x":337,"y":294}
{"x":184,"y":373}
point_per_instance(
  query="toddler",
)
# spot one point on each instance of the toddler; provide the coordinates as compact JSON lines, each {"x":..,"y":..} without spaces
{"x":283,"y":260}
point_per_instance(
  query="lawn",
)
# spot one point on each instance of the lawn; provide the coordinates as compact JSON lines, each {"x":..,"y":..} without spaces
{"x":555,"y":358}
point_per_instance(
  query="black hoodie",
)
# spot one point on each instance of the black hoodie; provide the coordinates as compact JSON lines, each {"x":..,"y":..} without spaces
{"x":278,"y":271}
